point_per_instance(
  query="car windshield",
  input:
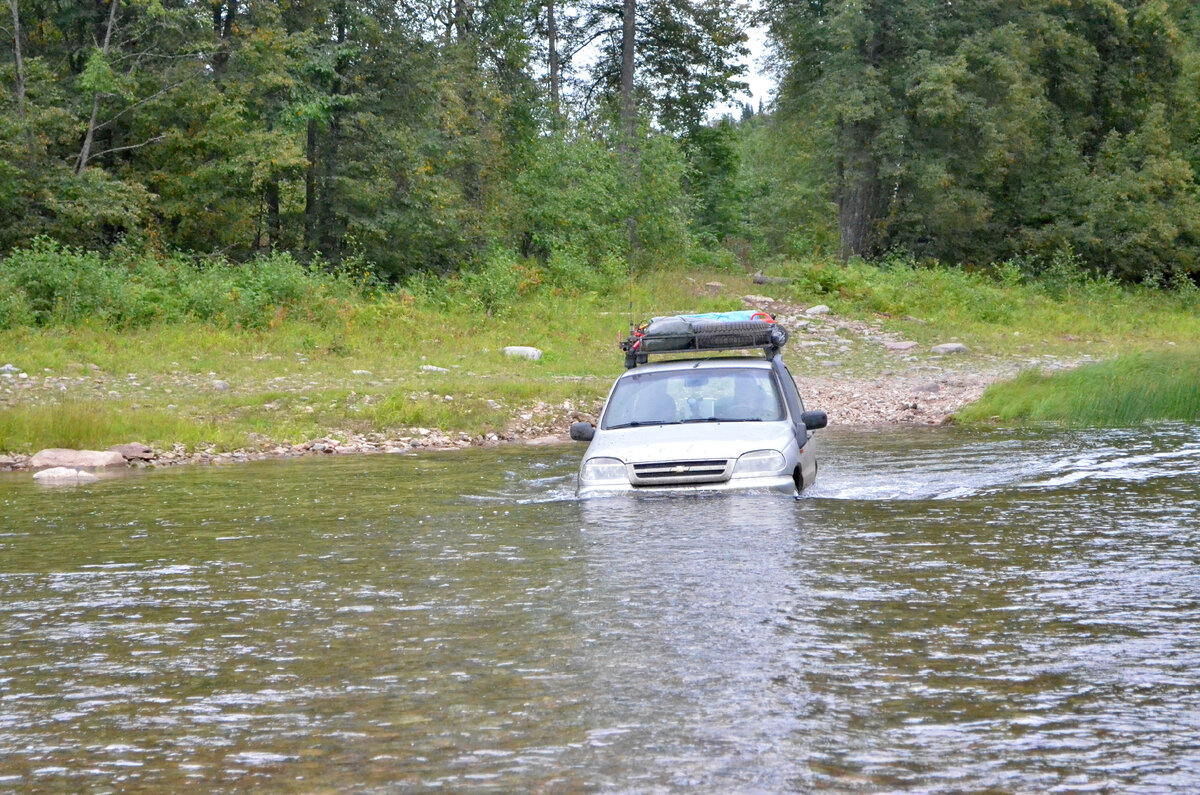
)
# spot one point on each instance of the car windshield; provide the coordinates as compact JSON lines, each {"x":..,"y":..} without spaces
{"x":694,"y":395}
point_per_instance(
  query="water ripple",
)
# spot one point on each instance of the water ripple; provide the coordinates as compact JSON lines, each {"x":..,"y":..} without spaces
{"x":944,"y":611}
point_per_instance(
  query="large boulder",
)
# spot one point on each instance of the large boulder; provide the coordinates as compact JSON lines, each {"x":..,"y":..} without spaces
{"x":134,"y":451}
{"x":76,"y":459}
{"x":905,"y":345}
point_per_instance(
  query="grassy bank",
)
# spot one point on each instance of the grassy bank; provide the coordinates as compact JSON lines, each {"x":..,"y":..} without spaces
{"x":285,"y":353}
{"x":1130,"y":389}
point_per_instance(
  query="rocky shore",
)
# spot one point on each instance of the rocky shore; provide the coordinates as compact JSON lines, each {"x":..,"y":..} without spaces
{"x":857,"y":372}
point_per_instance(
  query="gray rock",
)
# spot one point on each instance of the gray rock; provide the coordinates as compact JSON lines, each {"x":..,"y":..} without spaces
{"x":8,"y":368}
{"x":221,"y":386}
{"x":761,"y":278}
{"x":757,"y":300}
{"x":947,"y":348}
{"x":899,"y":346}
{"x":819,"y":309}
{"x":523,"y":352}
{"x":929,"y":388}
{"x":134,"y":450}
{"x":432,"y":368}
{"x":361,"y":372}
{"x":544,"y":441}
{"x":63,"y":475}
{"x":75,"y":459}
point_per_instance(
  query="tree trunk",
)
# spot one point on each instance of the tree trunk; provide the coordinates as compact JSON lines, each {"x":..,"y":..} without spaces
{"x":85,"y":151}
{"x":462,"y":19}
{"x":274,"y":226}
{"x":332,"y":231}
{"x":310,"y":189}
{"x":223,"y":17}
{"x":857,"y":192}
{"x":628,"y":109}
{"x":555,"y":78}
{"x":628,"y":112}
{"x":19,"y":88}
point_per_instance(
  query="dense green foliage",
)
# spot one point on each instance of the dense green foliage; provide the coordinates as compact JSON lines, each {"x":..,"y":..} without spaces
{"x":414,"y":137}
{"x":987,"y":130}
{"x":453,"y":136}
{"x":1128,"y":390}
{"x":48,"y":285}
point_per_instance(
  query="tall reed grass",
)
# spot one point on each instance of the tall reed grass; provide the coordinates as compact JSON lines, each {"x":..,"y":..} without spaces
{"x":1131,"y":389}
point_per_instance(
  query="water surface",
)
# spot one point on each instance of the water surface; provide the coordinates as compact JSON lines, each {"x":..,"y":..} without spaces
{"x":943,"y":611}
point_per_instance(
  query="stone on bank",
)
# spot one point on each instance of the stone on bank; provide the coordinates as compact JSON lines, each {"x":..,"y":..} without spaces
{"x":76,"y":459}
{"x":523,"y":352}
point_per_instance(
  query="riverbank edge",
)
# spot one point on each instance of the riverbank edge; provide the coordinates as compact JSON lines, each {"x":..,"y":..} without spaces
{"x":904,"y":391}
{"x":896,"y":401}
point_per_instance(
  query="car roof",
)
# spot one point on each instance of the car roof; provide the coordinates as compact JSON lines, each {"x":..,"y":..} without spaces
{"x":747,"y":362}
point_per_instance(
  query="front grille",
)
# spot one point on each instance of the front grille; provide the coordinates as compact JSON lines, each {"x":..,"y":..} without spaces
{"x":668,"y":472}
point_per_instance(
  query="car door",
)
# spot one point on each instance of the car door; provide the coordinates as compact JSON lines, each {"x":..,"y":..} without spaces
{"x":795,"y":404}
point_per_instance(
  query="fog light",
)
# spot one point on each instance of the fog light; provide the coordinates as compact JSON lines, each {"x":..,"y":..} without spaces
{"x":759,"y":463}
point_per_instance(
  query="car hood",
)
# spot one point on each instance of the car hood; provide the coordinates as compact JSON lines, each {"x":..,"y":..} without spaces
{"x":692,"y":441}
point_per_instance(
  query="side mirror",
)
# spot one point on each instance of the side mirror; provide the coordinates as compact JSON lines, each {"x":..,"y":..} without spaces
{"x":812,"y":420}
{"x":582,"y":431}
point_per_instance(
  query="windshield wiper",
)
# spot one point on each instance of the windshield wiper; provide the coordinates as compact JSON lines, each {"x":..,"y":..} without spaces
{"x":725,"y":419}
{"x":641,"y":424}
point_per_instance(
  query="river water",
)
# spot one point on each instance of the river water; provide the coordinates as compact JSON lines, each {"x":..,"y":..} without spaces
{"x":944,"y":611}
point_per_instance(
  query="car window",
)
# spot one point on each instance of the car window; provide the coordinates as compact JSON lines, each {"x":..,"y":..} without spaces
{"x":696,"y":395}
{"x":790,"y":391}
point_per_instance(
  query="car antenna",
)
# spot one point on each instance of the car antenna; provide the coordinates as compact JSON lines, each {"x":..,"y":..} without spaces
{"x":630,"y":269}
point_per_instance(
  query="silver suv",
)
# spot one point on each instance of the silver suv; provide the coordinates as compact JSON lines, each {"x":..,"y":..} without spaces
{"x":701,"y":424}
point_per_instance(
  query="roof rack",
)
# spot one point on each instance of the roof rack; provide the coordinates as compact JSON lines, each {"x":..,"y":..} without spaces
{"x":717,"y":331}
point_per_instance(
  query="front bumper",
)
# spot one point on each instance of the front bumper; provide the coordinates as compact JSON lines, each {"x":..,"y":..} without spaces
{"x":782,"y":484}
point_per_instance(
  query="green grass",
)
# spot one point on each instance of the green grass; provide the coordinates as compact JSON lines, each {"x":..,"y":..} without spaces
{"x":1005,"y":310}
{"x":1128,"y":390}
{"x":295,"y":380}
{"x":292,"y":374}
{"x":97,"y":425}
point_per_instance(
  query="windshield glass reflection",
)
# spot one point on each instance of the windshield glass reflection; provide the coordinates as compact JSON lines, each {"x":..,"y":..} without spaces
{"x":711,"y":395}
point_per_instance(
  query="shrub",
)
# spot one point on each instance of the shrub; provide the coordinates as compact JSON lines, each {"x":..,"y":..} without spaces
{"x":494,"y":287}
{"x":48,"y":284}
{"x":14,"y":308}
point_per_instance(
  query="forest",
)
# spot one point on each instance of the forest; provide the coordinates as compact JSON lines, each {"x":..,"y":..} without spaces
{"x":424,"y":138}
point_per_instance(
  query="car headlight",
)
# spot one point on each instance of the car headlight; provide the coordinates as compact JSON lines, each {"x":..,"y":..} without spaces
{"x":759,"y":463}
{"x":603,"y":470}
